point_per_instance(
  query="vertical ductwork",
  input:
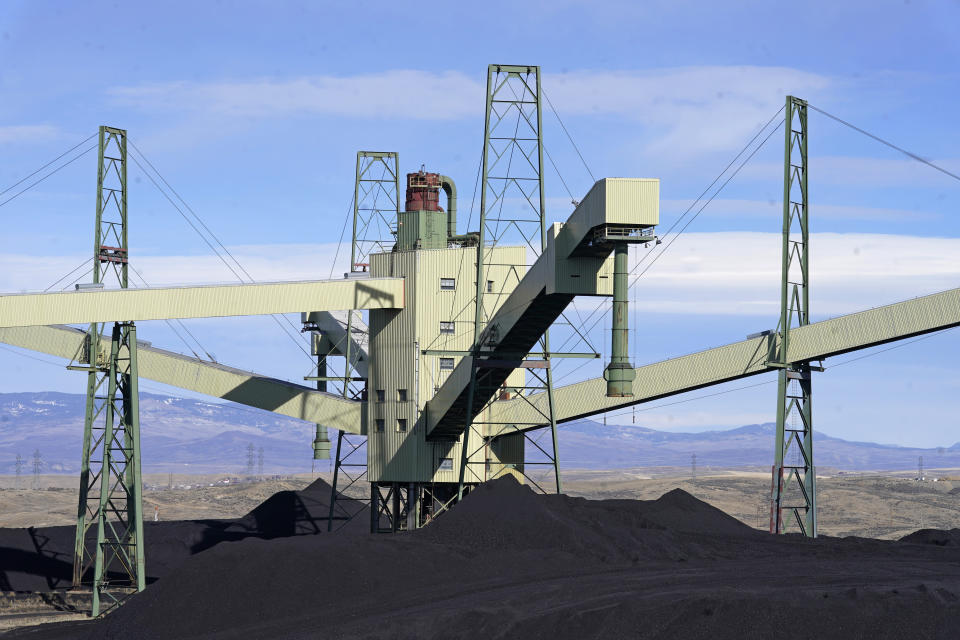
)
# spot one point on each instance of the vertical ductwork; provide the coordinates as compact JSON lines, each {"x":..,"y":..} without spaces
{"x":619,"y":374}
{"x":450,"y":188}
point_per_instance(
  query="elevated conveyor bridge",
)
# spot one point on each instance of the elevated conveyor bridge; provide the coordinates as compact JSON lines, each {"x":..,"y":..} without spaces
{"x":415,"y":406}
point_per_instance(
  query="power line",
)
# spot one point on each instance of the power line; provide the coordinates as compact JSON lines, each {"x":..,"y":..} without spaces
{"x":887,"y":143}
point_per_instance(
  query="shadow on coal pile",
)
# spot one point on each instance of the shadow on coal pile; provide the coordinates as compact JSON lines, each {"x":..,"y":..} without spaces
{"x":507,"y":563}
{"x":41,"y":559}
{"x":939,"y":537}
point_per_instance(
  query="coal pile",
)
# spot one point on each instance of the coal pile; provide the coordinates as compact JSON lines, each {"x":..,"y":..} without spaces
{"x":507,"y":563}
{"x":40,"y":558}
{"x":939,"y":537}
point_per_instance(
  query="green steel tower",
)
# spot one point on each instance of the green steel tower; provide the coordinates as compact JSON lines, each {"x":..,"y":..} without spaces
{"x":376,"y":211}
{"x":512,"y":169}
{"x":794,"y":475}
{"x":376,"y":206}
{"x":109,"y":539}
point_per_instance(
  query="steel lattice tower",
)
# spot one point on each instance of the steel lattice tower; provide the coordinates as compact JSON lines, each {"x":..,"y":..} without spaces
{"x":376,"y":198}
{"x":376,"y":207}
{"x":794,"y":475}
{"x":511,"y":204}
{"x":110,"y":479}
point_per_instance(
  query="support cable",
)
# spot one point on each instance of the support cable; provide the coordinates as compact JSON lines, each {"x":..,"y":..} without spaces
{"x":573,"y":200}
{"x":25,"y":178}
{"x":179,"y":322}
{"x":209,"y":244}
{"x":569,"y":137}
{"x":85,"y":262}
{"x":78,"y":279}
{"x":719,"y":176}
{"x":698,"y":212}
{"x":35,"y":183}
{"x":343,"y":230}
{"x":887,"y":143}
{"x":216,"y":239}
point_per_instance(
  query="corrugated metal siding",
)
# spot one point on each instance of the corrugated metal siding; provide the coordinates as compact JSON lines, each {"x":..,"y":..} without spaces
{"x":729,"y":362}
{"x":399,"y":337}
{"x":633,"y":200}
{"x":391,"y":454}
{"x":585,"y":276}
{"x":653,"y":381}
{"x":902,"y":319}
{"x":208,"y":378}
{"x":628,"y":201}
{"x":85,"y":307}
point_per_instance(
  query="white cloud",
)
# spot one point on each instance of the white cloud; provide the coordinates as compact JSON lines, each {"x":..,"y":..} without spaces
{"x":703,"y":273}
{"x":739,"y":272}
{"x":695,"y":109}
{"x":405,"y":94}
{"x":266,"y":263}
{"x":863,"y":172}
{"x":773,"y":210}
{"x":27,"y":133}
{"x":692,"y":109}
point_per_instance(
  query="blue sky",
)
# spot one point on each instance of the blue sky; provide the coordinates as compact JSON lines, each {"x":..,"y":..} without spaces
{"x":254,"y":113}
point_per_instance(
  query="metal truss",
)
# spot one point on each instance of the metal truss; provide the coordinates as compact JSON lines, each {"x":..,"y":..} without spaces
{"x":376,"y":206}
{"x":793,"y":485}
{"x":350,"y":468}
{"x":512,"y":205}
{"x":535,"y":468}
{"x":110,"y":480}
{"x":403,"y":506}
{"x":394,"y":506}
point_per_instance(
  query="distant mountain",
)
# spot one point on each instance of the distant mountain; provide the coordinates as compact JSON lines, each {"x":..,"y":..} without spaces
{"x":588,"y":444}
{"x":184,"y":435}
{"x":177,"y":434}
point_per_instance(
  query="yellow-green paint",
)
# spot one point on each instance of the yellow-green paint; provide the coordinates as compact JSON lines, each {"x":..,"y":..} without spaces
{"x":210,"y":378}
{"x":89,"y":306}
{"x":398,"y":339}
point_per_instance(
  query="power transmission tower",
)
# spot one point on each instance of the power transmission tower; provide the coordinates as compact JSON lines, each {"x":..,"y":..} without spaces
{"x":19,"y":467}
{"x":512,"y":173}
{"x":796,"y":478}
{"x":250,"y":458}
{"x":37,"y":466}
{"x":110,"y":480}
{"x":260,"y":463}
{"x":920,"y":469}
